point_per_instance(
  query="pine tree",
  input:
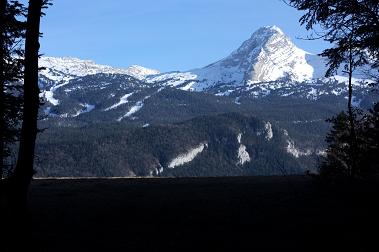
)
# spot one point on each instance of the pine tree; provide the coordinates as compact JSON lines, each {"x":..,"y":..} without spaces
{"x":24,"y":170}
{"x":339,"y":159}
{"x":370,"y":162}
{"x":352,"y":26}
{"x":11,"y":65}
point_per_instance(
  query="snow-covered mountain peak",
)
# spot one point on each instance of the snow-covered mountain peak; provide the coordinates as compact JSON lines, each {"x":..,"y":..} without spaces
{"x":266,"y":32}
{"x":268,"y":55}
{"x":136,"y":70}
{"x":273,"y":56}
{"x":59,"y":71}
{"x":65,"y":68}
{"x":274,"y":28}
{"x":265,"y":40}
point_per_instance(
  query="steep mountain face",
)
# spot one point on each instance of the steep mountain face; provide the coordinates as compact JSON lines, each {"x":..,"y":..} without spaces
{"x":58,"y":72}
{"x":267,"y":56}
{"x":266,"y":85}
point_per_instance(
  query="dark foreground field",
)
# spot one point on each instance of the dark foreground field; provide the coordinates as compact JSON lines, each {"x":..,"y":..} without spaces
{"x":207,"y":214}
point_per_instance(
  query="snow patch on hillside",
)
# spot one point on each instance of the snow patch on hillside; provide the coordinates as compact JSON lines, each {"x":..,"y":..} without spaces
{"x":291,"y":149}
{"x":86,"y":109}
{"x":49,"y":96}
{"x":140,"y":72}
{"x":134,"y":109}
{"x":188,"y":156}
{"x":242,"y":154}
{"x":175,"y":79}
{"x":123,"y":100}
{"x":57,"y":68}
{"x":355,"y":81}
{"x":268,"y":130}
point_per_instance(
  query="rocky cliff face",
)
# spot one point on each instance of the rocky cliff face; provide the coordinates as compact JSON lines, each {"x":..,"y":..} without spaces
{"x":267,"y":56}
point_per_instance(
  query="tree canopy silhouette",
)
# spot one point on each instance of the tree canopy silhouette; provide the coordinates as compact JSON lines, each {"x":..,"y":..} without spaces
{"x":19,"y":108}
{"x":352,"y":26}
{"x":11,"y":64}
{"x":343,"y":22}
{"x":24,"y":171}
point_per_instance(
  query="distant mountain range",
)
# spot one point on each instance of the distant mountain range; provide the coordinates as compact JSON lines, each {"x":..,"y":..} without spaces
{"x":268,"y":81}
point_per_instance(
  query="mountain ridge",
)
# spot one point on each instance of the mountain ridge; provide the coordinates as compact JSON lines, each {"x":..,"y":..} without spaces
{"x":266,"y":64}
{"x":277,"y":88}
{"x":72,"y":66}
{"x":265,"y":56}
{"x":268,"y":55}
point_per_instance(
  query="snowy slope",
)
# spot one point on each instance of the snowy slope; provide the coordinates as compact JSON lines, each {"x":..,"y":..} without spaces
{"x":268,"y":63}
{"x":268,"y":55}
{"x":58,"y":72}
{"x":65,"y":68}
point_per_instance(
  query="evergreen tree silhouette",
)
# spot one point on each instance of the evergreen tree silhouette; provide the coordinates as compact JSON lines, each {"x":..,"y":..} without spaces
{"x":11,"y":64}
{"x":370,"y":162}
{"x":24,"y":171}
{"x":352,"y":26}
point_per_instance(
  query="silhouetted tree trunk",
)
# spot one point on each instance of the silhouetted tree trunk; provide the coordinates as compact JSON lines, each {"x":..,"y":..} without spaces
{"x":3,"y":4}
{"x":24,"y":169}
{"x":12,"y":33}
{"x":353,"y":136}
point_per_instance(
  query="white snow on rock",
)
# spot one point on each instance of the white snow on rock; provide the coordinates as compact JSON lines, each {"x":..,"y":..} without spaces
{"x":134,"y":109}
{"x":175,"y":79}
{"x":312,"y":94}
{"x":321,"y":153}
{"x":140,"y":72}
{"x":267,"y":56}
{"x":355,"y":81}
{"x":239,"y":138}
{"x":49,"y":96}
{"x":242,"y":154}
{"x":86,"y":109}
{"x":291,"y":149}
{"x":268,"y":131}
{"x":63,"y":69}
{"x":157,"y":170}
{"x":308,"y":121}
{"x":267,"y":61}
{"x":225,"y":93}
{"x":123,"y":100}
{"x":57,"y":68}
{"x":188,"y":156}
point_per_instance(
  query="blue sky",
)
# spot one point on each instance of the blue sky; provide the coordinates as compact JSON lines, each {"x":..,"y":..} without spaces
{"x":162,"y":34}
